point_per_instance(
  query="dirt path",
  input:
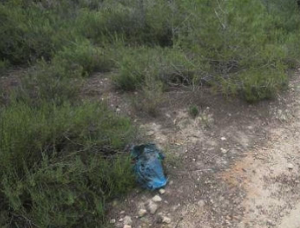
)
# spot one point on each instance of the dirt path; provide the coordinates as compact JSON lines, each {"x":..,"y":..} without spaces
{"x":268,"y":176}
{"x":235,"y":165}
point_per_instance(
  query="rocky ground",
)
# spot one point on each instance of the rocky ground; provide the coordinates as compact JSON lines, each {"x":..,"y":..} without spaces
{"x":235,"y":165}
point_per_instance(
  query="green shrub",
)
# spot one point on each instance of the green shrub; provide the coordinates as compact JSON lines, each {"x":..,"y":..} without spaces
{"x":239,"y":43}
{"x":137,"y":22}
{"x":51,"y":82}
{"x":83,"y":55}
{"x":193,"y":111}
{"x":23,"y":37}
{"x":149,"y":97}
{"x":61,"y":164}
{"x":164,"y":64}
{"x":3,"y":66}
{"x":61,"y":79}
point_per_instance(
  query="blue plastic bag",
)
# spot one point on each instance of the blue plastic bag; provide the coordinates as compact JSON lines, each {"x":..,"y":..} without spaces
{"x":148,"y":166}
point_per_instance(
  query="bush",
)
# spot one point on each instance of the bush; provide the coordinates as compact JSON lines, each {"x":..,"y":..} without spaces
{"x":61,"y":79}
{"x":136,"y":22}
{"x":52,"y":83}
{"x":167,"y":65}
{"x":85,"y":56}
{"x":3,"y":66}
{"x":193,"y":111}
{"x":61,"y":164}
{"x":30,"y":33}
{"x":149,"y":97}
{"x":234,"y":48}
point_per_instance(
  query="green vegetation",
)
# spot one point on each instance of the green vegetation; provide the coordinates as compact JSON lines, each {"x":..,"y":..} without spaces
{"x":61,"y":157}
{"x":193,"y":111}
{"x":61,"y":163}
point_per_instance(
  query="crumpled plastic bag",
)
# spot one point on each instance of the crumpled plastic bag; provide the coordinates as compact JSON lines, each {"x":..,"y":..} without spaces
{"x":148,"y":166}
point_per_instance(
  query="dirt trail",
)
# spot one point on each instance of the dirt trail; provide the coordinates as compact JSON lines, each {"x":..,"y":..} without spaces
{"x":268,"y":175}
{"x":235,"y":165}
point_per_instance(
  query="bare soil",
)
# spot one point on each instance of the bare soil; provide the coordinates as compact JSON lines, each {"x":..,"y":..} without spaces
{"x":235,"y":165}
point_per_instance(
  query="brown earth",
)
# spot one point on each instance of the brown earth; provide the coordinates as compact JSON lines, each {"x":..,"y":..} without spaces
{"x":234,"y":165}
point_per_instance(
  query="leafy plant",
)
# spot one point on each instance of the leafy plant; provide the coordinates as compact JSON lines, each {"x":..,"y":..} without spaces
{"x":193,"y":111}
{"x":61,"y":162}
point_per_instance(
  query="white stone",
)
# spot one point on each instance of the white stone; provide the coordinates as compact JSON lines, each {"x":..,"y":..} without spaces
{"x":162,"y":191}
{"x":223,"y":138}
{"x":149,"y":133}
{"x":166,"y":220}
{"x":157,"y":198}
{"x":152,"y":207}
{"x":290,"y":166}
{"x":112,"y":221}
{"x":201,"y":203}
{"x":127,"y":220}
{"x":142,"y":212}
{"x":224,"y":151}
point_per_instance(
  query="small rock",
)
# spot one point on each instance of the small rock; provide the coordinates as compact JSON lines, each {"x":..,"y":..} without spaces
{"x":126,"y":226}
{"x":149,"y":133}
{"x":290,"y":166}
{"x":223,"y":138}
{"x":127,"y":220}
{"x":271,"y":223}
{"x":157,"y":198}
{"x":112,"y":221}
{"x":122,"y":212}
{"x":142,"y":212}
{"x":162,"y":191}
{"x":166,"y":220}
{"x":201,"y":203}
{"x":152,"y":207}
{"x":224,"y":151}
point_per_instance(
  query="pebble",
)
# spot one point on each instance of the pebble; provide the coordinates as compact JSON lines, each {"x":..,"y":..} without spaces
{"x":162,"y":191}
{"x":201,"y":203}
{"x":271,"y":223}
{"x":224,"y":151}
{"x":223,"y":138}
{"x":166,"y":220}
{"x":112,"y":221}
{"x":149,"y":133}
{"x":290,"y":166}
{"x":142,"y":212}
{"x":127,"y":220}
{"x":152,"y":207}
{"x":157,"y":198}
{"x":126,"y":226}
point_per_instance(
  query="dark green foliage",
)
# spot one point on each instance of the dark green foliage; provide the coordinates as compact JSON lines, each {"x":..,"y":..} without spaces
{"x":3,"y":66}
{"x":168,"y":65}
{"x":62,"y":159}
{"x":221,"y":40}
{"x":84,"y":56}
{"x":60,"y":164}
{"x":193,"y":111}
{"x":30,"y":33}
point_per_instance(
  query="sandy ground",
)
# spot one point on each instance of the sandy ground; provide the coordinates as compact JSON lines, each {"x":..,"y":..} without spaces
{"x":235,"y":165}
